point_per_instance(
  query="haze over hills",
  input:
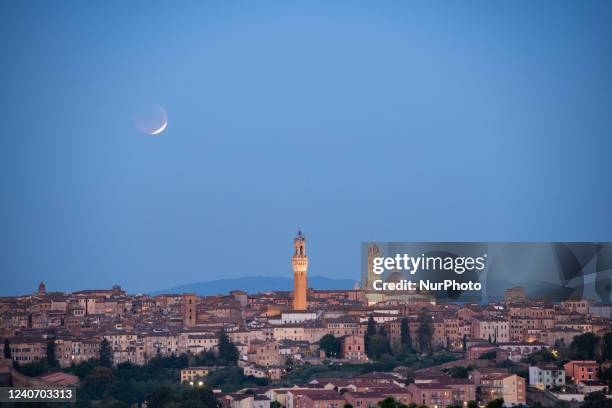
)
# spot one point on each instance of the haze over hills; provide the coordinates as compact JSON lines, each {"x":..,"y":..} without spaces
{"x":254,"y":284}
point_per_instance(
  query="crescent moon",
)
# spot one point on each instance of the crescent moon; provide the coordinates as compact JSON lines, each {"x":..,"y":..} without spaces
{"x":161,"y":129}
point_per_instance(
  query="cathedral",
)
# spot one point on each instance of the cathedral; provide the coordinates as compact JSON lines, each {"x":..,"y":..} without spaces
{"x":299,"y":261}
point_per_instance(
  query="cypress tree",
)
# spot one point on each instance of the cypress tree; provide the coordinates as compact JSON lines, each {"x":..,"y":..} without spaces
{"x":227,"y":350}
{"x":51,"y":357}
{"x":7,"y":349}
{"x":406,"y":341}
{"x":105,"y":354}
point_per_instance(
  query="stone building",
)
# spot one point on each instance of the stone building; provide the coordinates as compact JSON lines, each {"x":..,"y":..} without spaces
{"x":265,"y":354}
{"x":352,"y":347}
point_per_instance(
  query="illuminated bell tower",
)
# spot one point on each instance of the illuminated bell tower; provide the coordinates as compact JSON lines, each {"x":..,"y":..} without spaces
{"x":299,"y":261}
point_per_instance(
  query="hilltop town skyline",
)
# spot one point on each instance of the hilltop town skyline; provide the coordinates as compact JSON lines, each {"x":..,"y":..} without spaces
{"x":223,"y":345}
{"x":551,"y":271}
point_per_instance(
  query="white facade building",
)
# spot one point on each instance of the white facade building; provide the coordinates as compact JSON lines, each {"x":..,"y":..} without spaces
{"x":548,"y":376}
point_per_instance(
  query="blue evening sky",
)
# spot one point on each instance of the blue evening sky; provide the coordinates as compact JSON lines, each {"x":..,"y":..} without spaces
{"x":356,"y":121}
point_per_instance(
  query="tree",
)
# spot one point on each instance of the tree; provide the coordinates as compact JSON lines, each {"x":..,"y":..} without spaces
{"x":583,"y":346}
{"x":197,"y":397}
{"x":496,"y":403}
{"x":51,"y":357}
{"x":99,"y":383}
{"x":33,"y":369}
{"x":7,"y":349}
{"x":405,"y":339}
{"x":388,"y":402}
{"x":289,"y":363}
{"x":82,"y":403}
{"x":84,"y":368}
{"x":160,"y":397}
{"x":607,"y":346}
{"x":472,"y":404}
{"x":371,"y":330}
{"x":606,"y":376}
{"x":206,"y":358}
{"x":459,"y":372}
{"x":488,"y":355}
{"x":391,"y":402}
{"x":464,"y":342}
{"x":330,"y":345}
{"x":596,"y":400}
{"x":227,"y":350}
{"x":540,"y":356}
{"x":377,"y":346}
{"x":106,"y":359}
{"x":110,"y":403}
{"x":425,"y":332}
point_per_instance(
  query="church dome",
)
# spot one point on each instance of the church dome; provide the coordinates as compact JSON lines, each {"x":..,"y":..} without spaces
{"x":394,"y":277}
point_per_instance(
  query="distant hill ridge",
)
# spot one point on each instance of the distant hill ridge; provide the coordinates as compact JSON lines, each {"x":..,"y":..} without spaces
{"x":254,"y":284}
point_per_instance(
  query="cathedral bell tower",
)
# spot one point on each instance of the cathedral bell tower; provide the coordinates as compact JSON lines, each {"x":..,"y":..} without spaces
{"x":299,"y":261}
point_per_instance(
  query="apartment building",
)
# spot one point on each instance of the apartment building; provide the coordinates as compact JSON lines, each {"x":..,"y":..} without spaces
{"x":194,"y":373}
{"x":314,"y":399}
{"x":546,"y":376}
{"x":431,"y":394}
{"x":490,"y":328}
{"x":27,"y":350}
{"x":579,"y":370}
{"x":510,"y":387}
